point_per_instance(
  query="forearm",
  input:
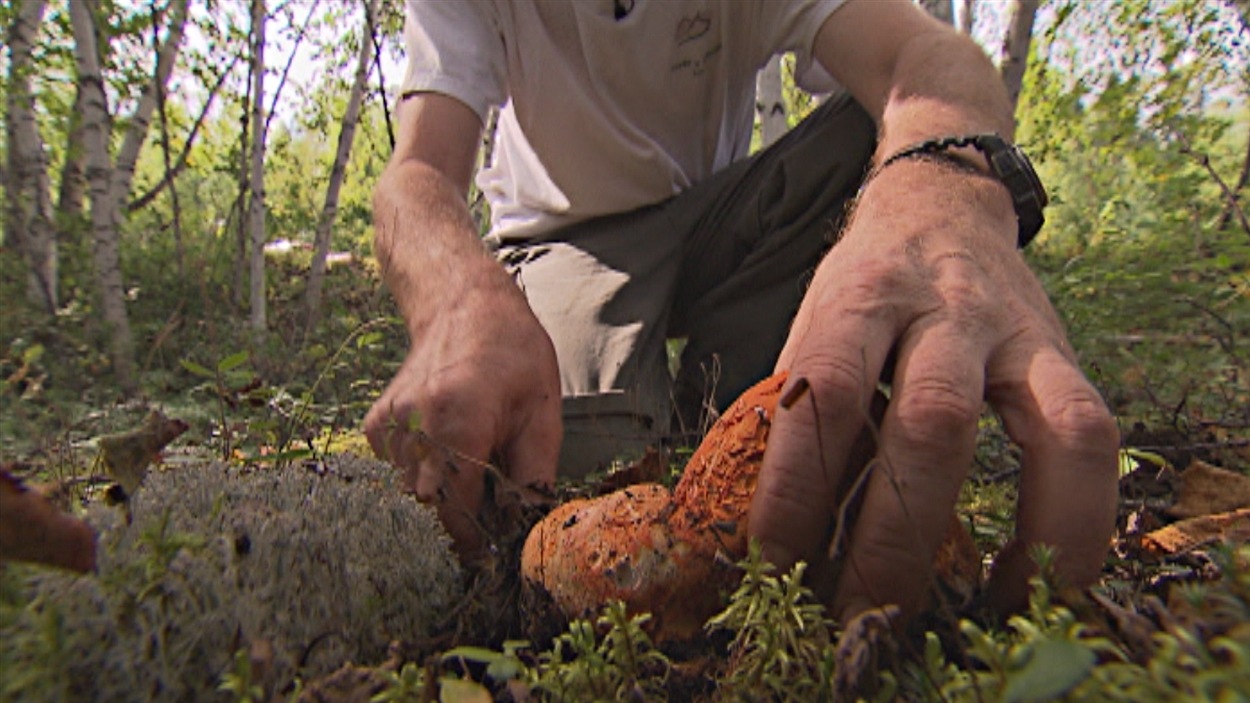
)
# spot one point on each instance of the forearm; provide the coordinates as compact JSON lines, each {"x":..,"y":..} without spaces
{"x":942,"y":84}
{"x":426,"y":242}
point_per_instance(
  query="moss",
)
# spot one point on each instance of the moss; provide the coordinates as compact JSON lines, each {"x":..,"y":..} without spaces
{"x":322,"y":565}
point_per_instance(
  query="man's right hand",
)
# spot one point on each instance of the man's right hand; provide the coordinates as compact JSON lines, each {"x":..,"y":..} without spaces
{"x":480,"y":381}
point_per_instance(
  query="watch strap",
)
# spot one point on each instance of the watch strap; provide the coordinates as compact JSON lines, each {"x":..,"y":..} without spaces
{"x":1006,"y":162}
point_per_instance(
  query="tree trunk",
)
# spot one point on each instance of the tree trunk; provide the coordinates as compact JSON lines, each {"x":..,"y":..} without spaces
{"x":73,"y":191}
{"x":109,"y":181}
{"x":256,"y":199}
{"x":238,"y":209}
{"x":941,"y":9}
{"x":1243,"y":178}
{"x":347,"y":133}
{"x":964,"y":15}
{"x":1014,"y":57}
{"x":30,"y":221}
{"x":770,"y":104}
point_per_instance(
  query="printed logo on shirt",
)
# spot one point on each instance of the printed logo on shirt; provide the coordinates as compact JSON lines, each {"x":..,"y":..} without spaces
{"x":692,"y":54}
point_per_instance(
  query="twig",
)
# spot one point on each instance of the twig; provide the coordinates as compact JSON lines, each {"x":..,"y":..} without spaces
{"x":175,"y":207}
{"x":377,"y":62}
{"x":185,"y":155}
{"x":1205,"y":161}
{"x":1226,"y":344}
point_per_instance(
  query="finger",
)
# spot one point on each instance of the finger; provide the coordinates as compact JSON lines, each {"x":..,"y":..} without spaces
{"x":534,"y":450}
{"x":386,"y":428}
{"x":810,"y":441}
{"x":375,"y":430}
{"x":927,"y":441}
{"x":1068,"y":485}
{"x":451,"y":477}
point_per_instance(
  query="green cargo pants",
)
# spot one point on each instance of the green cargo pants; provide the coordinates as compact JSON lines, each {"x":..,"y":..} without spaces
{"x":723,"y":264}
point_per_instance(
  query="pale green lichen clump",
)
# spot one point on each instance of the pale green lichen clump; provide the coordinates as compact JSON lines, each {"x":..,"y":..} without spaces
{"x":323,"y":566}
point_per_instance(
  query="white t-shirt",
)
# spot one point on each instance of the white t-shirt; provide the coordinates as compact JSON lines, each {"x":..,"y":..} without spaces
{"x":604,"y":115}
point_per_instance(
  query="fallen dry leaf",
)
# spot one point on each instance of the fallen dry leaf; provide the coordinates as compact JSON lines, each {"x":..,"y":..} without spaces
{"x":1207,"y":490}
{"x":1194,"y":532}
{"x":32,"y":529}
{"x":126,"y":455}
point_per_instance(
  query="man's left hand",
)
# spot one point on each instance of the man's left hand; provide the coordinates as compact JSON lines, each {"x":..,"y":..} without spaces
{"x":932,"y":291}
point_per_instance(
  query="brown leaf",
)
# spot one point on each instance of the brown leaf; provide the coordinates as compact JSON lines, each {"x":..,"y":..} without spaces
{"x":1187,"y":534}
{"x":31,"y":529}
{"x":1207,"y":490}
{"x":127,"y":454}
{"x":864,"y":640}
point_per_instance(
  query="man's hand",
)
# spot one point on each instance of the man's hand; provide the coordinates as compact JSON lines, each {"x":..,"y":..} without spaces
{"x":932,"y":291}
{"x":480,"y":382}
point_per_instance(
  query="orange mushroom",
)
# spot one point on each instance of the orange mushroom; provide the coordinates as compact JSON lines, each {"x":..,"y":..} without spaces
{"x":671,"y":554}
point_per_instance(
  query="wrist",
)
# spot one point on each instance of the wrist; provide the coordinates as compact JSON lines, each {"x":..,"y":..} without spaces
{"x":991,"y":155}
{"x":936,"y":192}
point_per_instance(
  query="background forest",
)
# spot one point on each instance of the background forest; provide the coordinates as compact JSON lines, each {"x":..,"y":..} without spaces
{"x":187,"y":220}
{"x":178,"y":173}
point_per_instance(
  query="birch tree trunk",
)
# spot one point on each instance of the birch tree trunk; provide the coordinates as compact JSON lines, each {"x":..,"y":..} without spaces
{"x":109,"y":181}
{"x":256,"y":199}
{"x":69,"y":202}
{"x":770,"y":105}
{"x":347,"y":133}
{"x":238,"y":209}
{"x":964,"y":14}
{"x":30,"y":219}
{"x":1014,"y":56}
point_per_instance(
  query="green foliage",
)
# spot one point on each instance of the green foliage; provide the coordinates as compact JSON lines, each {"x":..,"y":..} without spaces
{"x":1048,"y":654}
{"x":781,"y":648}
{"x":1136,"y":111}
{"x":610,"y":659}
{"x":623,"y":665}
{"x":404,"y":686}
{"x":239,"y":682}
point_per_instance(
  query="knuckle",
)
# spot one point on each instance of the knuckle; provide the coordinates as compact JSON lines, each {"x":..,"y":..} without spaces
{"x":872,"y":288}
{"x":443,"y":397}
{"x":966,"y":296}
{"x":841,"y":379}
{"x":935,"y":410}
{"x":839,"y":383}
{"x":1082,"y":419}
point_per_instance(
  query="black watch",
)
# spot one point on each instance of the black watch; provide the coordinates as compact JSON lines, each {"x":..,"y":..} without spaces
{"x":1008,"y":163}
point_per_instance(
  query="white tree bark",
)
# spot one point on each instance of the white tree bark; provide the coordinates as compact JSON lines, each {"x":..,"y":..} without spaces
{"x":770,"y":104}
{"x":30,"y":218}
{"x":73,"y":191}
{"x":964,"y":15}
{"x":1014,"y":56}
{"x":256,"y":199}
{"x":109,"y":181}
{"x":347,"y":133}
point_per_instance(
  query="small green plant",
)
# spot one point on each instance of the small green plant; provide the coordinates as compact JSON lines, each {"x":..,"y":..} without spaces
{"x":239,"y":681}
{"x":226,"y":380}
{"x":782,"y":648}
{"x":404,"y":686}
{"x":500,"y":666}
{"x":624,"y":665}
{"x":1047,"y":654}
